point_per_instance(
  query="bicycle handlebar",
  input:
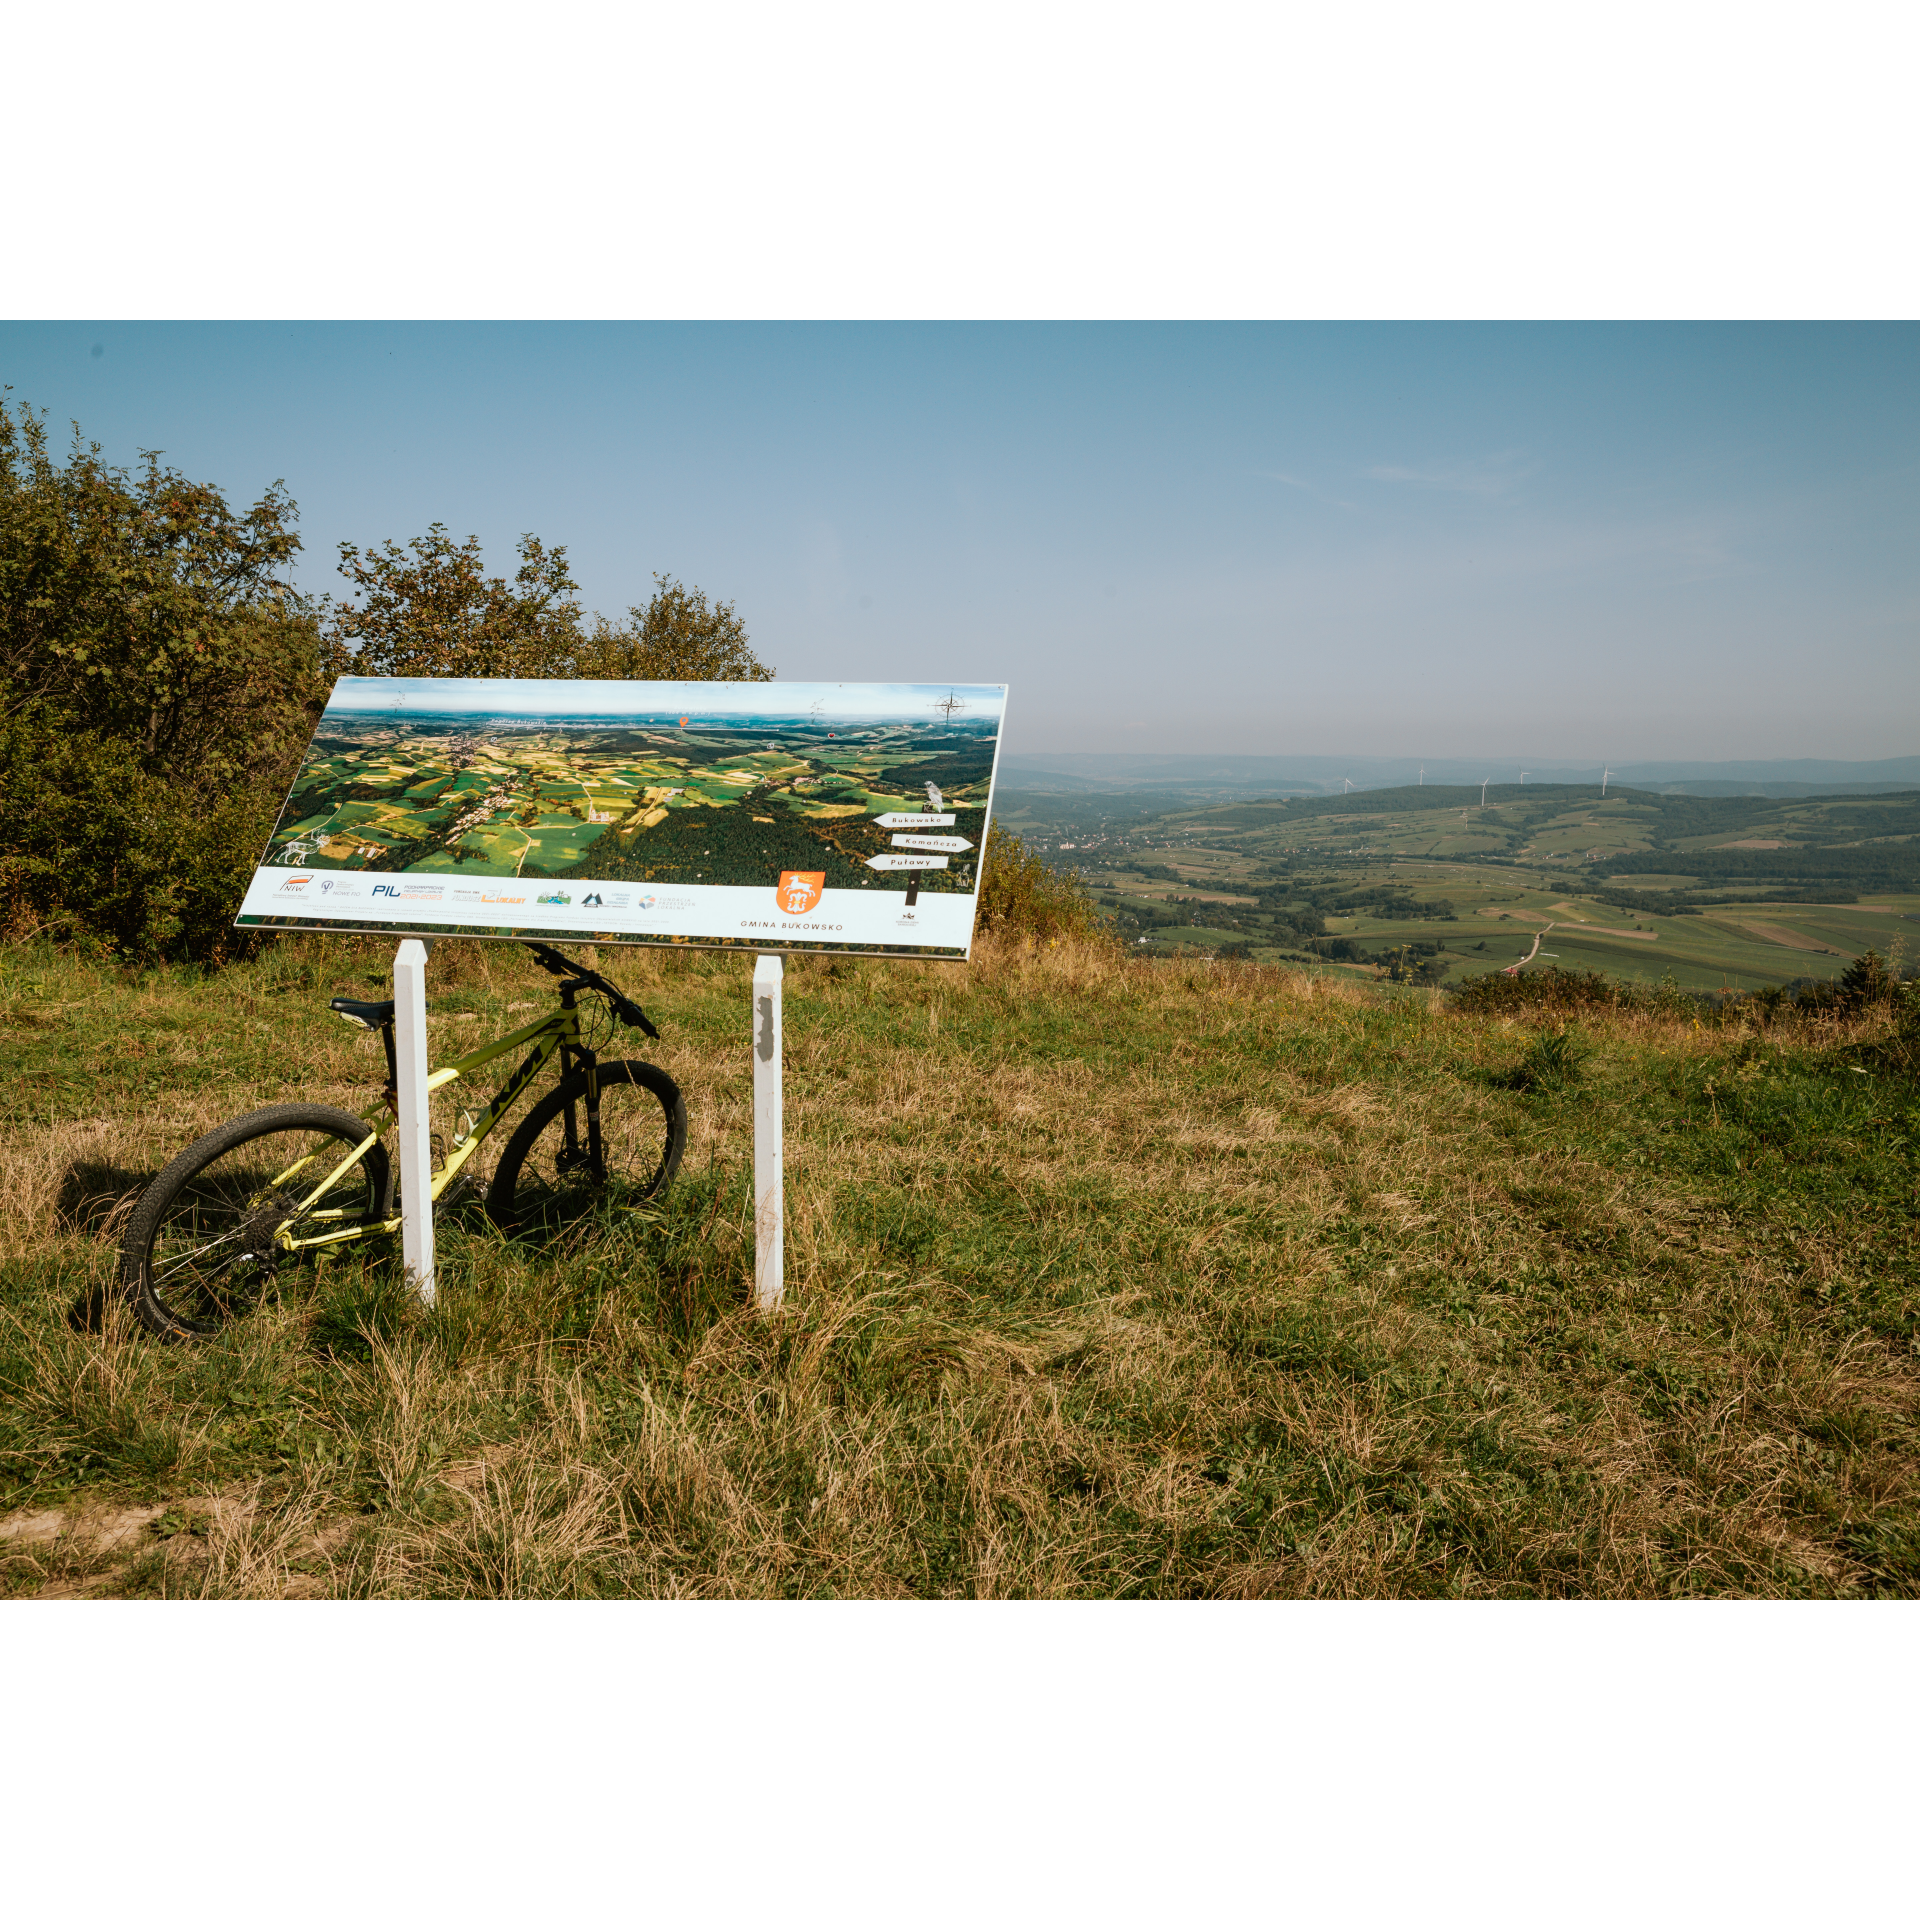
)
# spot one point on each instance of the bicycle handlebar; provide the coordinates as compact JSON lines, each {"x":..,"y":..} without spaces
{"x":626,"y":1011}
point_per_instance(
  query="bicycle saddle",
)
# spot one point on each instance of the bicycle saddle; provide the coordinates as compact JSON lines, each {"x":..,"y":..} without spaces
{"x":363,"y":1013}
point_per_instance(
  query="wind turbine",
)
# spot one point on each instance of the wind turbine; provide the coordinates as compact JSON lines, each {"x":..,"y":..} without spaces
{"x":1483,"y":789}
{"x":1523,"y":776}
{"x":1606,"y":773}
{"x":1346,"y":785}
{"x":1423,"y":775}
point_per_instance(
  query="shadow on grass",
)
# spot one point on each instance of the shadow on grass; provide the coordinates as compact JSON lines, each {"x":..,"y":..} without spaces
{"x":95,"y":1197}
{"x":676,"y":1264}
{"x":1551,"y":1064}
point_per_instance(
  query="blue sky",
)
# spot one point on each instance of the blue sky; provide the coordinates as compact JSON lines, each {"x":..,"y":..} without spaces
{"x":1607,"y":541}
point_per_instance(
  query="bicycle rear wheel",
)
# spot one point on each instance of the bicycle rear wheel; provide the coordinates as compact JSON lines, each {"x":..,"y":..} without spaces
{"x":543,"y":1182}
{"x":202,"y":1244}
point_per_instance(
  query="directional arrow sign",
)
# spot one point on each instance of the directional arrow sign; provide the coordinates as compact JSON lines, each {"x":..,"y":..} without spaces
{"x":905,"y":862}
{"x":932,"y":842}
{"x":914,"y":820}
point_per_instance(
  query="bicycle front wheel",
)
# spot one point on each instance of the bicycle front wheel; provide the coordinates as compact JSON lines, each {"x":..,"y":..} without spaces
{"x":546,"y":1178}
{"x":209,"y":1234}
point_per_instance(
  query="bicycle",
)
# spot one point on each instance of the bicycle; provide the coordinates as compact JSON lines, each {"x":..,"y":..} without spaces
{"x":288,"y":1182}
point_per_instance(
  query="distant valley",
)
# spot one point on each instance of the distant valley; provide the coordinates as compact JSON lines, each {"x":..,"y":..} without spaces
{"x":1437,"y":883}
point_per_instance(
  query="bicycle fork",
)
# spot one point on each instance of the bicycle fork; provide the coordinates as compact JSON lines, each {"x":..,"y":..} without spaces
{"x":594,"y":1158}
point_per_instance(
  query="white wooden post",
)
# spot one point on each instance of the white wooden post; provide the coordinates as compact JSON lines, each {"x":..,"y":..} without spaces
{"x":416,"y":1138}
{"x":769,"y":1211}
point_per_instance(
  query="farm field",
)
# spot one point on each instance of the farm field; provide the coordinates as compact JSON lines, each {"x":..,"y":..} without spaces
{"x":1106,"y":1278}
{"x":683,"y":803}
{"x":1429,"y":882}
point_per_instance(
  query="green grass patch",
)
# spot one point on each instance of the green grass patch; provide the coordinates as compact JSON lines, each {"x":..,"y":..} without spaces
{"x":1106,"y":1277}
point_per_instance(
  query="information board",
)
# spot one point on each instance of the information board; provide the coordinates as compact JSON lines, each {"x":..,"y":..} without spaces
{"x":773,"y":815}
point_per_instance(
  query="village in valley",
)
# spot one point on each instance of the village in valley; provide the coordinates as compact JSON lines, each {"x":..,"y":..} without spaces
{"x":1433,"y":885}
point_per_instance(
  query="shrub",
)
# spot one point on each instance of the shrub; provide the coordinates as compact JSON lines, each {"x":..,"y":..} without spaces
{"x":1552,"y":1062}
{"x":159,"y":678}
{"x":1021,"y":895}
{"x":142,"y":608}
{"x":1868,"y":982}
{"x":1552,"y":990}
{"x":114,"y":858}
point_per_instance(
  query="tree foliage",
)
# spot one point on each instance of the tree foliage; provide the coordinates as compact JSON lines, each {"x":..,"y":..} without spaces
{"x":677,"y":635}
{"x":159,"y":676}
{"x":430,"y":609}
{"x":110,"y":856}
{"x":141,"y":607}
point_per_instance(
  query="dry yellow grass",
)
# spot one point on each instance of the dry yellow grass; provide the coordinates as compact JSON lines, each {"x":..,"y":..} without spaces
{"x":1106,"y":1277}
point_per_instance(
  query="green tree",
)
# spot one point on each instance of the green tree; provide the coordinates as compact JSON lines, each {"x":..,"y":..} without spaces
{"x":431,"y":609}
{"x":158,"y":679}
{"x":677,"y":635}
{"x":112,"y":857}
{"x":141,"y":607}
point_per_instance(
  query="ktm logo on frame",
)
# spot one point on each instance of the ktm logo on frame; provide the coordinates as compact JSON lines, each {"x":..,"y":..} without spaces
{"x":800,"y":892}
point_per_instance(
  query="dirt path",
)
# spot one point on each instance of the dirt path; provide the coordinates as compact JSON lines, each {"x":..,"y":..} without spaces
{"x":1531,"y":951}
{"x":84,"y":1552}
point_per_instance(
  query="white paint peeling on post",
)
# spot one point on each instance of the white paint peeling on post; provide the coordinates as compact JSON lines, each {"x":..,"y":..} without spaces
{"x":416,"y":1137}
{"x":769,"y":1208}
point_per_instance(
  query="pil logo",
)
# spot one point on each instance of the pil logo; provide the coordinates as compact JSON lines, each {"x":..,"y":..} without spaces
{"x":800,"y":892}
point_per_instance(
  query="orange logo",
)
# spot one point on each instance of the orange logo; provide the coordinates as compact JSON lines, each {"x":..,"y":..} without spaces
{"x":800,"y":892}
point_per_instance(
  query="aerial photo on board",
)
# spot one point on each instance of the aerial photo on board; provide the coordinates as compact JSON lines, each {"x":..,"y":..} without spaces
{"x":694,"y":784}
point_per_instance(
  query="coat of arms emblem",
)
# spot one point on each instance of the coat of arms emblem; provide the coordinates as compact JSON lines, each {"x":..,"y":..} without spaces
{"x":800,"y":892}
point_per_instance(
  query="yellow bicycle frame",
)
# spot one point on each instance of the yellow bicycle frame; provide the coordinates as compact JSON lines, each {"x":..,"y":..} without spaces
{"x":548,"y":1036}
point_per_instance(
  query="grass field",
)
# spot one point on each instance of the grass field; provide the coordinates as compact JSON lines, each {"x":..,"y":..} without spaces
{"x":1106,"y":1278}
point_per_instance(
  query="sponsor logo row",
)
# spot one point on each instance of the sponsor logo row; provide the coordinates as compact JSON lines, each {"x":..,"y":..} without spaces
{"x":401,"y":889}
{"x":796,"y":895}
